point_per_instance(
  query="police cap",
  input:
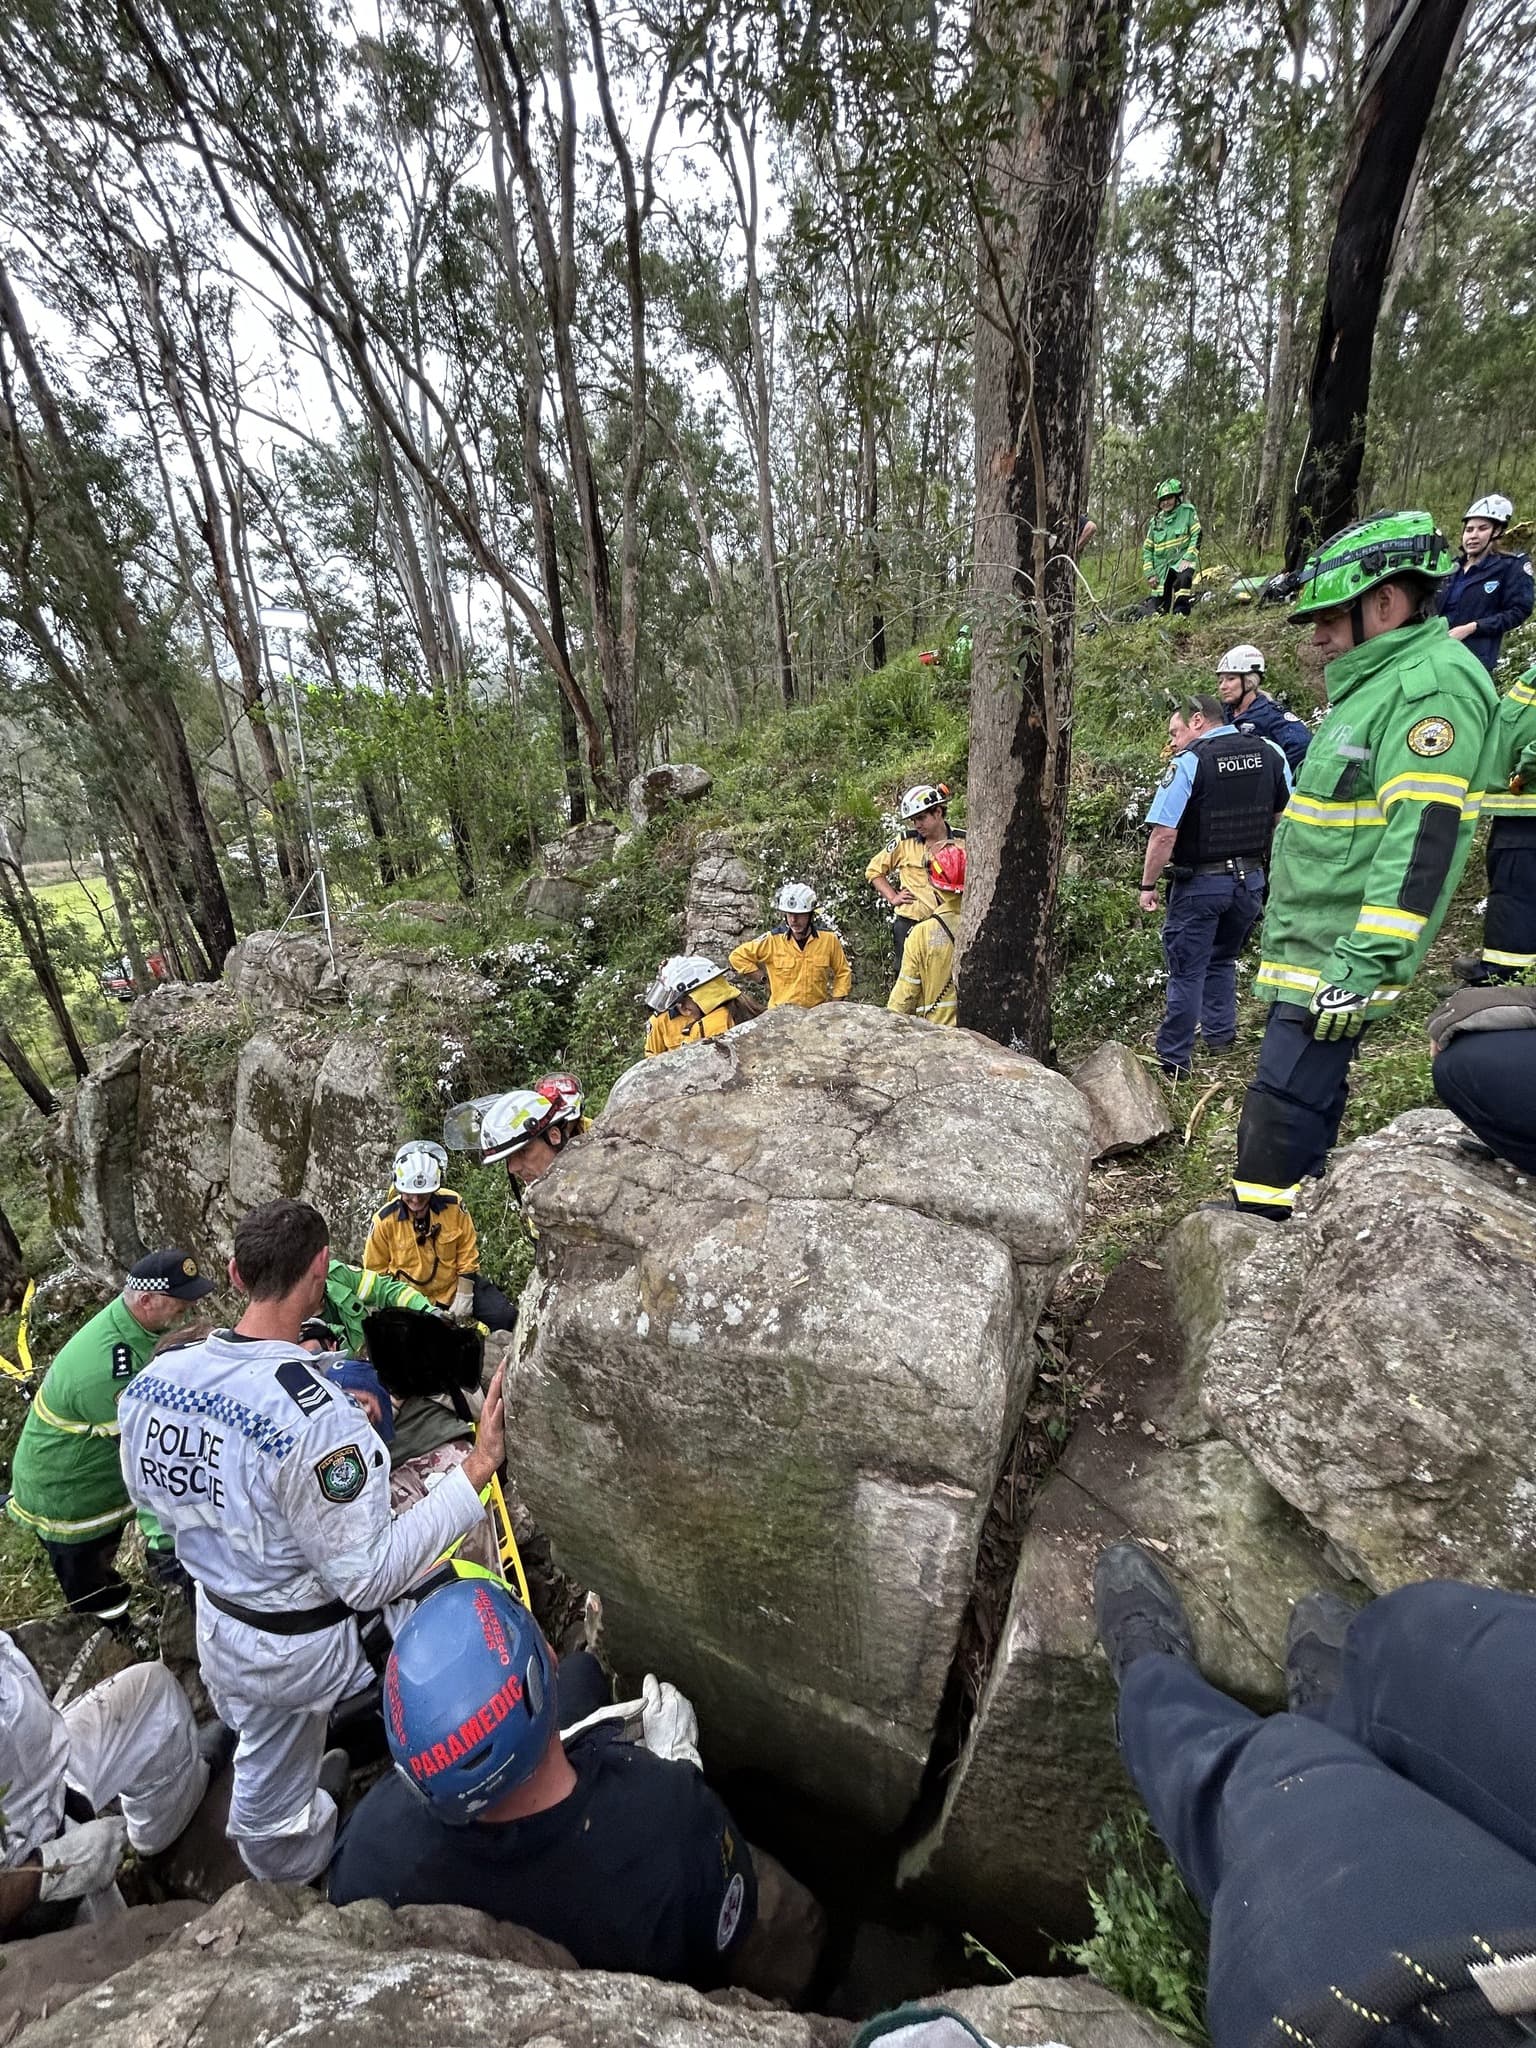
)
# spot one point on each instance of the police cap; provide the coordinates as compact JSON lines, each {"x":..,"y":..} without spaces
{"x":172,"y":1272}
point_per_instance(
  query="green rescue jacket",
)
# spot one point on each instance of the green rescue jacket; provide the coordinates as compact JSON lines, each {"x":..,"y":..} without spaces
{"x":351,"y":1293}
{"x":1173,"y":538}
{"x":1380,"y":823}
{"x":1514,"y":752}
{"x":66,"y":1481}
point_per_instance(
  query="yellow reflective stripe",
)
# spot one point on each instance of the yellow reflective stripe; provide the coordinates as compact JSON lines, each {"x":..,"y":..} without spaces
{"x":1315,"y":810}
{"x":1507,"y":805}
{"x":96,"y":1525}
{"x":1288,"y":977}
{"x":1443,"y":789}
{"x":1392,"y":924}
{"x":46,"y":1414}
{"x":1496,"y":959}
{"x":1520,"y":693}
{"x":1272,"y":1198}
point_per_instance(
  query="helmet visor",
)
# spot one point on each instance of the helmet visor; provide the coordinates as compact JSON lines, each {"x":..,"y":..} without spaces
{"x":461,"y":1125}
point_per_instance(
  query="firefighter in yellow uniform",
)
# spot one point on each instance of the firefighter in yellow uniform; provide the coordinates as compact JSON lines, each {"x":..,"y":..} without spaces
{"x":926,"y":984}
{"x":802,"y":958}
{"x":899,"y":872}
{"x":425,"y":1236}
{"x":690,"y":999}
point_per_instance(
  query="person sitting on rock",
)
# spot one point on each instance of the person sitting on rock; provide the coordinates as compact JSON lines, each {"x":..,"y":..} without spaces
{"x":523,"y":1129}
{"x":616,"y":1849}
{"x":802,"y":958}
{"x":691,"y":999}
{"x":1485,"y":1071}
{"x":1367,"y":1859}
{"x":926,"y":985}
{"x":130,"y":1741}
{"x":900,"y":873}
{"x":425,"y":1234}
{"x":66,"y":1481}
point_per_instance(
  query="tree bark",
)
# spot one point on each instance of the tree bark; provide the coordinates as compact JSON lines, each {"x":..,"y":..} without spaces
{"x":22,"y":910}
{"x":26,"y":1076}
{"x":1404,"y":67}
{"x":1282,"y":373}
{"x":1034,"y":356}
{"x":13,"y":1270}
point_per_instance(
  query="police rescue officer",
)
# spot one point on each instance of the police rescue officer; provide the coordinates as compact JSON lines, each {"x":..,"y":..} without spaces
{"x":1490,"y":593}
{"x":1239,"y":675}
{"x":1373,"y":842}
{"x":1212,"y":819}
{"x":275,"y":1489}
{"x":67,"y":1484}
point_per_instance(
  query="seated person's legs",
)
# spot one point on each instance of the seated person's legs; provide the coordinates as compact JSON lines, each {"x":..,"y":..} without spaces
{"x":132,"y":1738}
{"x":1319,"y":1865}
{"x":1488,"y":1079}
{"x":1439,"y":1681}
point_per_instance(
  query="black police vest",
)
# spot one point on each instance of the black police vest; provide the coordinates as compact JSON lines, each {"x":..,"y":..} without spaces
{"x":1231,"y":810}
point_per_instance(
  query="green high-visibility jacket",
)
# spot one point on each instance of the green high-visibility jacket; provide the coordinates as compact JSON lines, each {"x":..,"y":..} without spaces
{"x":1172,"y":542}
{"x":1514,"y":741}
{"x":1374,"y":839}
{"x":351,"y":1293}
{"x":66,"y":1482}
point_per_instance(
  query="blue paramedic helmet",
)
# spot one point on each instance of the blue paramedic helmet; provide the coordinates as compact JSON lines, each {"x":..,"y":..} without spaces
{"x":469,"y":1698}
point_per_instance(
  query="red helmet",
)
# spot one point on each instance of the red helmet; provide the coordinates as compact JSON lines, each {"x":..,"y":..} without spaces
{"x":947,"y":868}
{"x":564,"y":1091}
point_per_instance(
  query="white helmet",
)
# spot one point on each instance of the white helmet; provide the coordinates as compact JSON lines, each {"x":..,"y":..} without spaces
{"x":1495,"y":507}
{"x":1241,"y":661}
{"x":496,"y":1126}
{"x":680,"y":974}
{"x":795,"y":896}
{"x":418,"y":1168}
{"x":923,"y":796}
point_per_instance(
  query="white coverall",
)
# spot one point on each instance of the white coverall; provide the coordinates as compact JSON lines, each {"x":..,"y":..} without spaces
{"x":276,"y":1491}
{"x":132,"y":1738}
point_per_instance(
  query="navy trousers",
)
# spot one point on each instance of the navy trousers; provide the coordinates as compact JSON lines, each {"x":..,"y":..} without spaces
{"x":1207,"y":925}
{"x":1489,"y":1079}
{"x":1400,"y":1822}
{"x":1291,"y":1112}
{"x":1509,"y":922}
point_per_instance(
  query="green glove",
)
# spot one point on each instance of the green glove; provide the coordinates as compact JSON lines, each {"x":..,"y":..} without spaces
{"x":1340,"y":1013}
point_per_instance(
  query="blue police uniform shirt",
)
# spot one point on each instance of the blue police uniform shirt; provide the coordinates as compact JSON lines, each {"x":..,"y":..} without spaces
{"x":1495,"y":594}
{"x":1170,"y":799}
{"x":1271,"y":721}
{"x":638,"y":1868}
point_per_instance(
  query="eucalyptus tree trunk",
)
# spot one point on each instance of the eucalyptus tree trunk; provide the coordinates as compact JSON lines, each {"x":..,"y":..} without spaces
{"x":1034,"y":357}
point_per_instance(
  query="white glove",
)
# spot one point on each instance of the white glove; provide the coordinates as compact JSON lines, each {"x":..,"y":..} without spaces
{"x":462,"y":1306}
{"x":670,"y":1727}
{"x":82,"y":1860}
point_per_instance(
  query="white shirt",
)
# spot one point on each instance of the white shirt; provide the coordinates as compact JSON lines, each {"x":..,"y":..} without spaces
{"x":272,"y":1481}
{"x":34,"y":1754}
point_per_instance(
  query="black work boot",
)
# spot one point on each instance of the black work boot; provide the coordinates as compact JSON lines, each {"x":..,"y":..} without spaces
{"x":1137,"y":1610}
{"x":1314,"y":1650}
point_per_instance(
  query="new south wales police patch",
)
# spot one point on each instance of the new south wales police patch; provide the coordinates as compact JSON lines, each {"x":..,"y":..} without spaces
{"x":342,"y":1475}
{"x":1431,"y":736}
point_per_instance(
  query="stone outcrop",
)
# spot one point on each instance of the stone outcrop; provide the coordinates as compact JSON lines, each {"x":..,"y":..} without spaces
{"x":276,"y":1081}
{"x":268,"y":1964}
{"x":584,"y":846}
{"x":1376,"y":1363}
{"x":553,"y":899}
{"x":674,"y":782}
{"x":1129,"y":1108}
{"x":768,"y":1372}
{"x":1039,"y":1771}
{"x":722,"y":907}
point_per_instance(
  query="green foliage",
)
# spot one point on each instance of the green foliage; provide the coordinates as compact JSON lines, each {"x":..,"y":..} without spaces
{"x":1149,"y":1940}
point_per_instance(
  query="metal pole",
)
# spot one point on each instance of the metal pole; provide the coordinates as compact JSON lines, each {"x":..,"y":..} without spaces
{"x":309,"y":800}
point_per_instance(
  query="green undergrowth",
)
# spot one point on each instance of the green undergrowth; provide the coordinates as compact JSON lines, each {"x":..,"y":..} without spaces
{"x":1149,"y":1940}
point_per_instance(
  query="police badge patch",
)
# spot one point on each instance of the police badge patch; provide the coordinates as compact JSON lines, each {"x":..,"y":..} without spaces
{"x":342,"y":1475}
{"x":1431,"y":736}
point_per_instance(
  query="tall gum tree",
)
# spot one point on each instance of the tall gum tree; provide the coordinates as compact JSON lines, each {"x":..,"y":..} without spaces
{"x":1041,"y":190}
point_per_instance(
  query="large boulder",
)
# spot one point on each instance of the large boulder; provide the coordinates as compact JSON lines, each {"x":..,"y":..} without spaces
{"x":722,"y":907}
{"x":282,"y":971}
{"x":674,"y":782}
{"x":268,"y":1965}
{"x":771,"y":1361}
{"x":554,"y":900}
{"x":1039,"y":1771}
{"x":90,"y":1166}
{"x":354,"y":1129}
{"x":269,"y":1142}
{"x":185,"y":1116}
{"x":584,"y":846}
{"x":1376,"y":1364}
{"x":1129,"y":1107}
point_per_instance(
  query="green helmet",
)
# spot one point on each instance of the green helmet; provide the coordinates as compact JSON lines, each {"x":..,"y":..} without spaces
{"x":1170,"y":487}
{"x":1372,"y":552}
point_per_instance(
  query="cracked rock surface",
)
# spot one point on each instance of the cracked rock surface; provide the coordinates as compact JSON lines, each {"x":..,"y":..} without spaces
{"x":770,"y":1363}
